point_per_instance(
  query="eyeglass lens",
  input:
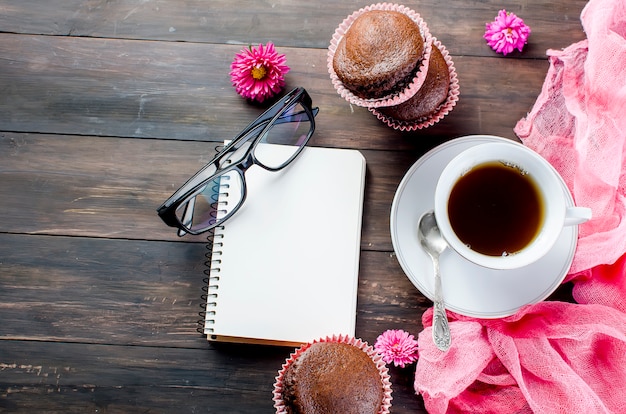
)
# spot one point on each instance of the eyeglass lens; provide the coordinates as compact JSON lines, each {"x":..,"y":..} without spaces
{"x":220,"y":197}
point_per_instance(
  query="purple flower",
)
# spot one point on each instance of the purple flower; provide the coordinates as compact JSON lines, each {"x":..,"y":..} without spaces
{"x":258,"y":73}
{"x":397,"y":346}
{"x":506,"y":33}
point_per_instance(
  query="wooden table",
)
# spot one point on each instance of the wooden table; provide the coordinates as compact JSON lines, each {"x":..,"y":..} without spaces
{"x":106,"y":107}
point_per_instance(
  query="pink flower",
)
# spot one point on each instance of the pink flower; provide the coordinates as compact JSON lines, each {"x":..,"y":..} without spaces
{"x":506,"y":33}
{"x":397,"y":346}
{"x":258,"y":73}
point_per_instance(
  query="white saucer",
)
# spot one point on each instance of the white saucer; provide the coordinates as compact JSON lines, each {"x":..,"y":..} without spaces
{"x":469,"y":289}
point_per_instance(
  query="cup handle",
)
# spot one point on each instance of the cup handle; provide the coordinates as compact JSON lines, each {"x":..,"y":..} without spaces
{"x":577,"y":215}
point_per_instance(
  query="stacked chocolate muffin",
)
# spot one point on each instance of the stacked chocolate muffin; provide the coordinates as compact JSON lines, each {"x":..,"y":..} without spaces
{"x":384,"y":58}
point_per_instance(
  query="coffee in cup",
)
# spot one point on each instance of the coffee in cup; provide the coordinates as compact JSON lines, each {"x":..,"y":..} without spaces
{"x":501,"y":205}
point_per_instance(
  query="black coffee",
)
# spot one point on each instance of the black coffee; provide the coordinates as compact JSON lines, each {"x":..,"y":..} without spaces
{"x":495,"y":209}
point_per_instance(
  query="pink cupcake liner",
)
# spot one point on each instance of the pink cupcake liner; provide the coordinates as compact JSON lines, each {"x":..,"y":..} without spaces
{"x":362,"y":345}
{"x":393,"y":99}
{"x":443,"y":110}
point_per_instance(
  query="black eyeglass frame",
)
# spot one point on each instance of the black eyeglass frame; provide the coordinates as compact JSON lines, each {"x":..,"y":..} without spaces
{"x":222,"y":162}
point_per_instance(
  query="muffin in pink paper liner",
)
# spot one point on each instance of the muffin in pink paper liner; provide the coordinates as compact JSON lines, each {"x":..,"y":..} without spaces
{"x":377,"y":78}
{"x":337,"y":374}
{"x":410,"y":115}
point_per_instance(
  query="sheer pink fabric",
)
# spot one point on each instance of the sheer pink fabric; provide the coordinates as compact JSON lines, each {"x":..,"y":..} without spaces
{"x":579,"y":124}
{"x":555,"y":357}
{"x":551,"y":357}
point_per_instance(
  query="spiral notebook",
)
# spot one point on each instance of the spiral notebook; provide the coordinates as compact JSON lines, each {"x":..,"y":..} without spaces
{"x":284,"y":269}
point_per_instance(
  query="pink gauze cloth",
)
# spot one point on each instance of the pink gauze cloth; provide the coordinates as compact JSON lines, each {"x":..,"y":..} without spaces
{"x":579,"y":125}
{"x":556,"y":357}
{"x":551,"y":357}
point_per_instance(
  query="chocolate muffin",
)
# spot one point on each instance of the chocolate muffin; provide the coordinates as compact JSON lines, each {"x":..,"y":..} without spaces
{"x":379,"y":53}
{"x":433,"y":92}
{"x":332,"y":377}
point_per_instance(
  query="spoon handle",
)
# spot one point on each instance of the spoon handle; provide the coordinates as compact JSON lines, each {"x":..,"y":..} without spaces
{"x":441,"y":330}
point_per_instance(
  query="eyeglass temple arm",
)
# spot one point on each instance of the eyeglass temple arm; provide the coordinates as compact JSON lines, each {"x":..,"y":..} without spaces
{"x":292,"y":117}
{"x":246,"y":133}
{"x":280,"y":120}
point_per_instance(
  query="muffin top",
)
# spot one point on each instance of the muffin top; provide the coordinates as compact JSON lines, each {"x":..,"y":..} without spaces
{"x":380,"y":48}
{"x":332,"y":377}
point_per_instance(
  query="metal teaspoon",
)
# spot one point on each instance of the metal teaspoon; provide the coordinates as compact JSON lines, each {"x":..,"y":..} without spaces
{"x":434,"y":244}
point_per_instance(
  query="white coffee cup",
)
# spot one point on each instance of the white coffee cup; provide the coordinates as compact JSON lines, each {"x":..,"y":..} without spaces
{"x":554,"y":210}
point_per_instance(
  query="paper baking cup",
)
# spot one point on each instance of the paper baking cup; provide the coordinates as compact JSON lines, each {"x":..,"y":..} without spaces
{"x":443,"y":110}
{"x":398,"y":97}
{"x":364,"y":346}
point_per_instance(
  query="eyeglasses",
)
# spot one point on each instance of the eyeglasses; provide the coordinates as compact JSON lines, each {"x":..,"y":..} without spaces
{"x":217,"y":191}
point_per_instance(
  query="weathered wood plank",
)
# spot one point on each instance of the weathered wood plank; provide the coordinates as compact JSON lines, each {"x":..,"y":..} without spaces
{"x":111,"y":187}
{"x":78,"y":378}
{"x":134,"y":399}
{"x":88,"y":186}
{"x":102,"y":291}
{"x":61,"y":377}
{"x":297,"y":23}
{"x":124,"y":292}
{"x":182,"y":91}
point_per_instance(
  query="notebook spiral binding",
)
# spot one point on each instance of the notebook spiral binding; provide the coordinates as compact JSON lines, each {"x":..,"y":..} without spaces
{"x":211,"y":280}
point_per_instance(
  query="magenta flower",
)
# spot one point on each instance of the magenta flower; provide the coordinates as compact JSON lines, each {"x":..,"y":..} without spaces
{"x":397,"y":346}
{"x":258,"y":73}
{"x":506,"y":33}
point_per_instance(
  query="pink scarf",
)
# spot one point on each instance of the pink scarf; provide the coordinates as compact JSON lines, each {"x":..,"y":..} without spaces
{"x":555,"y":357}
